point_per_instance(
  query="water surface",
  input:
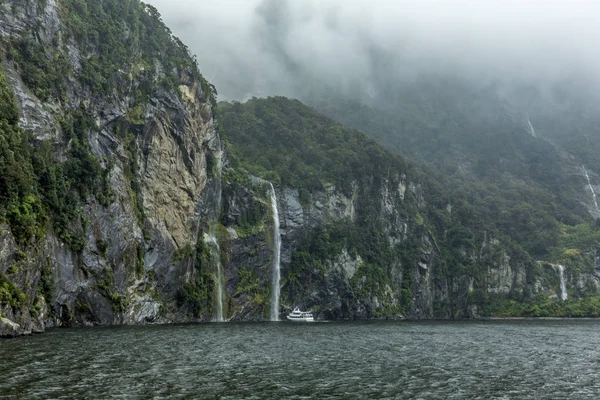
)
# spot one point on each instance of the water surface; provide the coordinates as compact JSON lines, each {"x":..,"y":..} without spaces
{"x":349,"y":360}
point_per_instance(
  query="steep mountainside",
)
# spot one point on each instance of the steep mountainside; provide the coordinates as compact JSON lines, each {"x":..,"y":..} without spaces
{"x":526,"y":173}
{"x":102,"y":179}
{"x":121,"y":204}
{"x":455,"y":257}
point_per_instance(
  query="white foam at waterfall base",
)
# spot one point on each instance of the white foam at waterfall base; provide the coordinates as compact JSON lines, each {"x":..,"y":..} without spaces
{"x":563,"y":288}
{"x":591,"y":189}
{"x":275,"y":289}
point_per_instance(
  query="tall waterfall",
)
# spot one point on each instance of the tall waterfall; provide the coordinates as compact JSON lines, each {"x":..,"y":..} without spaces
{"x":591,"y":189}
{"x":563,"y":288}
{"x":214,"y":211}
{"x":215,"y":253}
{"x":275,"y":289}
{"x":531,"y":130}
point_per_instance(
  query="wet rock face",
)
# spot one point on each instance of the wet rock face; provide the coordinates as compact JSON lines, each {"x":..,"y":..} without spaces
{"x":135,"y":257}
{"x":339,"y":289}
{"x":9,"y":328}
{"x":417,"y":287}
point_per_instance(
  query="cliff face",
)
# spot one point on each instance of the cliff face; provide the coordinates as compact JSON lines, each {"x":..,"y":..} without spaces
{"x":130,"y":260}
{"x":420,"y":278}
{"x":320,"y":269}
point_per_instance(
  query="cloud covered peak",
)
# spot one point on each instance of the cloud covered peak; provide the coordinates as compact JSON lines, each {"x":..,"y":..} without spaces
{"x":264,"y":47}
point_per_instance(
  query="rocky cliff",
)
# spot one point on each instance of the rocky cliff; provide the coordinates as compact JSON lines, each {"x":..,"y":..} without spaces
{"x":117,"y":253}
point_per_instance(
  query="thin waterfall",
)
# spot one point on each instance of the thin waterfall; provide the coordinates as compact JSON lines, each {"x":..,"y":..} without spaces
{"x":214,"y":211}
{"x":215,"y":254}
{"x":531,"y":130}
{"x":563,"y":288}
{"x":591,"y":189}
{"x":275,"y":289}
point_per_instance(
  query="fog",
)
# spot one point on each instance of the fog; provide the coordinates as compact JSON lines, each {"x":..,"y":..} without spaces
{"x":267,"y":47}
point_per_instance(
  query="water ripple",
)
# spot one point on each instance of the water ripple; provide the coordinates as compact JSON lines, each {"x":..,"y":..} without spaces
{"x":358,"y":360}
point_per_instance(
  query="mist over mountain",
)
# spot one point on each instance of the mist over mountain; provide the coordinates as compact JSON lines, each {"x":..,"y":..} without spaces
{"x":360,"y":48}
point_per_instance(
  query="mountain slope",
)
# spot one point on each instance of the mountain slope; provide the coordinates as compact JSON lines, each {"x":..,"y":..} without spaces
{"x":463,"y":250}
{"x":103,"y":175}
{"x":480,"y":146}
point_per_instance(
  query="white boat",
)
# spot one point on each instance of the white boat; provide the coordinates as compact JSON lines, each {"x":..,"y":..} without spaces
{"x":300,"y":316}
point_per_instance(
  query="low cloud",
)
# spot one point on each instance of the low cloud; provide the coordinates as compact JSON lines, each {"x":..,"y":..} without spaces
{"x":266,"y":47}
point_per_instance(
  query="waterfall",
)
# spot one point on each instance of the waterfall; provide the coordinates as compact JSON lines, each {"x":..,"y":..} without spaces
{"x":531,"y":130}
{"x":215,"y":254}
{"x":275,"y":289}
{"x":591,"y":189}
{"x":214,"y":211}
{"x":563,"y":288}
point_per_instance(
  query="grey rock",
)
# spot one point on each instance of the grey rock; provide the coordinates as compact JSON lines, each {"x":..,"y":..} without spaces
{"x":9,"y":328}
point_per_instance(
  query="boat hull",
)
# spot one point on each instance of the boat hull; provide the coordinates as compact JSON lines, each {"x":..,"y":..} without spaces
{"x":302,"y":319}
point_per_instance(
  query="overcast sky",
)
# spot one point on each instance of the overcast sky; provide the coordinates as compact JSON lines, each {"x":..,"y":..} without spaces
{"x":265,"y":47}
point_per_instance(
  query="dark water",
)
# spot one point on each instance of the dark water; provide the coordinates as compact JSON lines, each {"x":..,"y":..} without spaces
{"x":364,"y":360}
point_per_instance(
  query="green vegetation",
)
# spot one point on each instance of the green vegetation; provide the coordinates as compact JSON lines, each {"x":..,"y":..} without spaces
{"x":252,"y":219}
{"x":46,"y":284}
{"x":20,"y":205}
{"x":102,"y":246}
{"x":197,"y":295}
{"x":575,"y":246}
{"x":114,"y":37}
{"x":541,"y":306}
{"x":35,"y":189}
{"x":497,"y":177}
{"x":291,"y":145}
{"x":13,"y":269}
{"x":118,"y":302}
{"x":83,"y":307}
{"x":98,"y":28}
{"x":250,"y":285}
{"x":288,"y":143}
{"x":43,"y":70}
{"x":498,"y":181}
{"x":10,"y":294}
{"x":112,"y":48}
{"x":35,"y":308}
{"x":182,"y":253}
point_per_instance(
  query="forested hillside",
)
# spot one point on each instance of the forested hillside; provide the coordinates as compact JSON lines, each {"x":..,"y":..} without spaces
{"x":513,"y":200}
{"x":480,"y":148}
{"x":296,"y":148}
